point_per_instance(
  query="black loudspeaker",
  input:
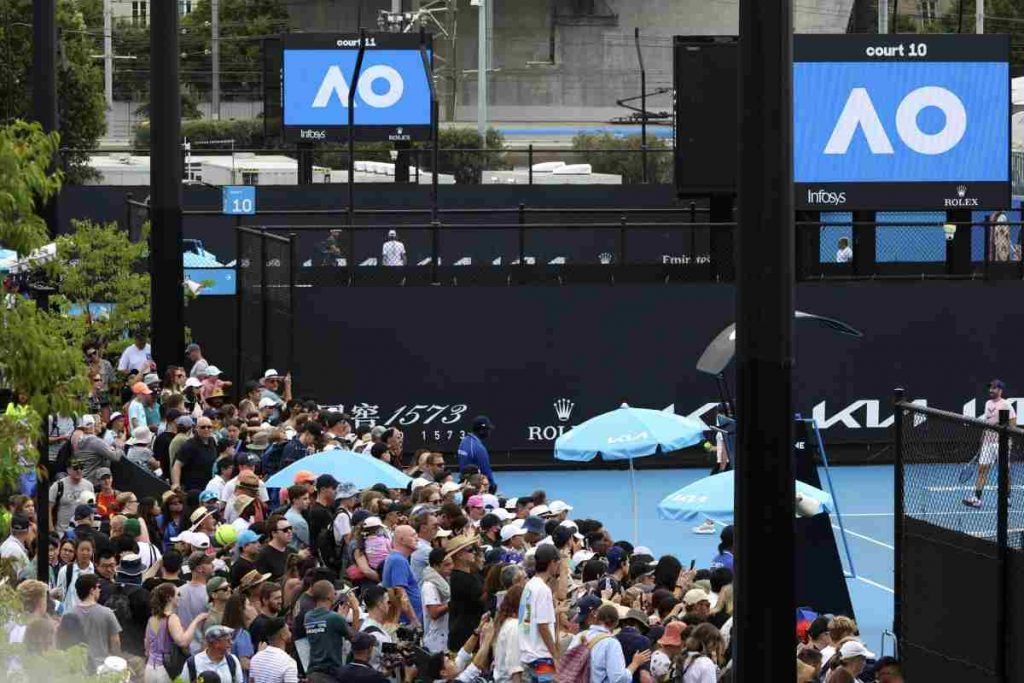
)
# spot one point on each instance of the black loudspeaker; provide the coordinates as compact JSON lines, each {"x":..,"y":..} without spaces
{"x":707,"y":114}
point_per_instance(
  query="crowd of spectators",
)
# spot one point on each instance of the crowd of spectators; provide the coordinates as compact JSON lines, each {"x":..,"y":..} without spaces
{"x":223,"y":578}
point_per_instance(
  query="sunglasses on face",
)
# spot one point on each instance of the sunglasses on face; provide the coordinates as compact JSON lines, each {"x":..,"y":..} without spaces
{"x":286,"y":530}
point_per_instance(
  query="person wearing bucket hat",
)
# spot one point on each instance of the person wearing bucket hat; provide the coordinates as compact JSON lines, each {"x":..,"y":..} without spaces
{"x":140,"y":449}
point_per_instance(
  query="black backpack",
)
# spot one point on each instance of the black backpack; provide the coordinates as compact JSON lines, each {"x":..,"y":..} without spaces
{"x":120,"y":603}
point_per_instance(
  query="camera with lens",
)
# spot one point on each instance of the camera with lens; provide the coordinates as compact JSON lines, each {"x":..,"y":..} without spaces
{"x":405,"y":651}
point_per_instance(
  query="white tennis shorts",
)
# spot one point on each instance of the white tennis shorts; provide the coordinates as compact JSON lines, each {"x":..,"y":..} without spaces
{"x":989,"y":454}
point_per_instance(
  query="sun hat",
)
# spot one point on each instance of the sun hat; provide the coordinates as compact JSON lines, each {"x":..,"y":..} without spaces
{"x":141,"y":436}
{"x":259,"y":441}
{"x":673,"y":634}
{"x":251,"y":579}
{"x":854,"y":648}
{"x":460,"y":543}
{"x":534,"y":525}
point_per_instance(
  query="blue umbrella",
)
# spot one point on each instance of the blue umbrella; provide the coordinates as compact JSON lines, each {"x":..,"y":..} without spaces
{"x":627,"y":433}
{"x":362,"y":470}
{"x":713,"y":498}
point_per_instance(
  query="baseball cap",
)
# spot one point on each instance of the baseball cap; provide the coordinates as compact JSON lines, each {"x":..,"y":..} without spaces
{"x":207,"y":495}
{"x":509,"y":531}
{"x":326,"y":481}
{"x":246,"y":537}
{"x":540,"y":511}
{"x":103,"y":472}
{"x":372,"y":522}
{"x":217,"y":632}
{"x":213,"y":371}
{"x":20,"y":522}
{"x":587,"y":604}
{"x":267,"y":402}
{"x":346,"y":490}
{"x":214,"y":584}
{"x":557,"y":507}
{"x":616,"y":556}
{"x":114,"y":417}
{"x":193,"y":382}
{"x":271,"y":373}
{"x":87,"y":421}
{"x":141,"y":388}
{"x":304,"y":477}
{"x":639,"y":570}
{"x":362,"y":642}
{"x":476,"y":501}
{"x":694,"y":596}
{"x":130,"y":565}
{"x":534,"y":525}
{"x":83,"y":511}
{"x":449,"y":487}
{"x":151,"y":378}
{"x":855,"y":648}
{"x":185,"y":422}
{"x":482,"y":422}
{"x":360,"y":516}
{"x":192,"y":347}
{"x":246,"y":458}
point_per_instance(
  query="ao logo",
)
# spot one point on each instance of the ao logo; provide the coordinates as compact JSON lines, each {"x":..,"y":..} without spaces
{"x":859,"y":112}
{"x":334,"y":82}
{"x":626,"y":438}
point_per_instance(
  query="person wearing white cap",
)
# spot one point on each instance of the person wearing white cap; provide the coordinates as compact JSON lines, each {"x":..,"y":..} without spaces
{"x":271,"y":384}
{"x":393,"y":251}
{"x":139,"y":451}
{"x":512,"y":544}
{"x":559,"y":509}
{"x":212,"y":382}
{"x":853,"y":659}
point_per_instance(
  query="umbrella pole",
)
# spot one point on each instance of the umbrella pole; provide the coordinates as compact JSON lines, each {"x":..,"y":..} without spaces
{"x":632,"y":487}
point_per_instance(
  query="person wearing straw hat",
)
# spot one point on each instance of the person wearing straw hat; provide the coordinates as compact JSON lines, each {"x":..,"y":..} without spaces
{"x":467,"y":604}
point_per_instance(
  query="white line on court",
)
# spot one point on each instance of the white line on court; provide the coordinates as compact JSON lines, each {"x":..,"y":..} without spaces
{"x":863,"y":537}
{"x":950,"y":513}
{"x":876,"y":585}
{"x":966,"y":487}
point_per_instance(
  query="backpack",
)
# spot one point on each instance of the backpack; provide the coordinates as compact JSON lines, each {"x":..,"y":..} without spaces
{"x":330,"y":553}
{"x":190,"y":663}
{"x":574,"y":666}
{"x":60,"y":494}
{"x":120,"y":603}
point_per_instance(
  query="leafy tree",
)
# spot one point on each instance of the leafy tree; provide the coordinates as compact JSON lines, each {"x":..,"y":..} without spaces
{"x":96,"y":264}
{"x":243,"y":25}
{"x":131,"y":76}
{"x":38,"y":349}
{"x":79,"y":78}
{"x":607,"y":153}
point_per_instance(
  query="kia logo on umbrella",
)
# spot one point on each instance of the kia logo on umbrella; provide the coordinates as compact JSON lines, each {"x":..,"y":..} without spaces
{"x":627,"y":438}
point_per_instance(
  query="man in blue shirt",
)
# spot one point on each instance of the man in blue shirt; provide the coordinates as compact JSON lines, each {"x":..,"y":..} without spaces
{"x":473,"y":452}
{"x":607,"y":662}
{"x":398,"y":574}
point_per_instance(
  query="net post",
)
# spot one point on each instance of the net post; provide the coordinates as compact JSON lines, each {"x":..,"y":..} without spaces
{"x":1002,"y":543}
{"x":898,"y":398}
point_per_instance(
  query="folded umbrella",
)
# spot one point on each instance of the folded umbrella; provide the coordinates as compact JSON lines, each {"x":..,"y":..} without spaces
{"x":714,"y":498}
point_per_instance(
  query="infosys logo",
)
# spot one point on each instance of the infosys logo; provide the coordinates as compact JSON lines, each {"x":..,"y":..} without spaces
{"x":310,"y":134}
{"x":826,"y":197}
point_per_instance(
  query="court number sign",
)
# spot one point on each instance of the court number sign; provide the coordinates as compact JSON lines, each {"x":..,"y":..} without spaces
{"x":239,"y":200}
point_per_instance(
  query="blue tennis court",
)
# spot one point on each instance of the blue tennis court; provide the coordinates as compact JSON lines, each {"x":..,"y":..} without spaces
{"x":864,"y":495}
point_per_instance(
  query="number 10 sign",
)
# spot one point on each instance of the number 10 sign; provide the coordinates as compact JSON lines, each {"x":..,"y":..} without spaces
{"x":239,"y":200}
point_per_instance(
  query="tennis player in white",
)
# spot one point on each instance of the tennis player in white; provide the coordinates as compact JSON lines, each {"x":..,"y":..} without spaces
{"x":990,"y":443}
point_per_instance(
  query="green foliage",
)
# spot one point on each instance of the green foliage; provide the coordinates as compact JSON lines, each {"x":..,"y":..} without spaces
{"x":189,"y":109}
{"x":1001,"y":16}
{"x":473,"y":155}
{"x":39,"y":353}
{"x":624,"y":157}
{"x":98,"y":264}
{"x":25,"y":154}
{"x":246,"y":133}
{"x":131,"y":76}
{"x":243,"y":25}
{"x":53,"y":666}
{"x":79,"y":78}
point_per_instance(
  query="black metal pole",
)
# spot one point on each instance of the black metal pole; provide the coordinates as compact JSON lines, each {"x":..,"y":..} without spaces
{"x":1002,"y":541}
{"x":898,"y":512}
{"x":240,"y":293}
{"x":522,"y":241}
{"x":529,"y":162}
{"x":292,"y":265}
{"x":434,"y":116}
{"x":42,"y":501}
{"x":167,"y":275}
{"x":643,"y":106}
{"x":765,"y":594}
{"x":264,"y":304}
{"x":44,"y":84}
{"x":351,"y":128}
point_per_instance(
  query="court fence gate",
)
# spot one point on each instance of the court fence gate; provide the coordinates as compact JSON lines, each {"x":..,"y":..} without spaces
{"x":959,"y":572}
{"x":265,"y":275}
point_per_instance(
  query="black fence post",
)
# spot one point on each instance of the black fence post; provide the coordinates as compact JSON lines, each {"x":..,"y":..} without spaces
{"x":435,"y":248}
{"x":264,"y":356}
{"x":864,"y":242}
{"x":239,"y":296}
{"x":522,"y":239}
{"x":1002,"y":541}
{"x":292,"y":263}
{"x":693,"y":233}
{"x":898,"y":512}
{"x":529,"y":162}
{"x":622,"y":240}
{"x":128,"y":214}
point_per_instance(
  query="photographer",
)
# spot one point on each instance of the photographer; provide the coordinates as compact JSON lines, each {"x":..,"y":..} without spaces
{"x":443,"y":667}
{"x":378,"y":604}
{"x":359,"y":670}
{"x":328,"y":630}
